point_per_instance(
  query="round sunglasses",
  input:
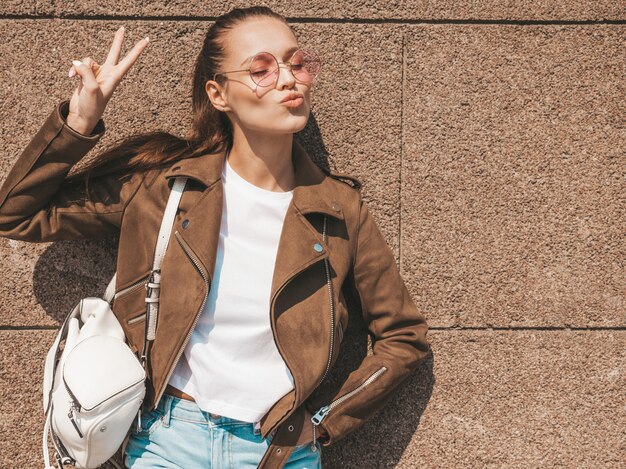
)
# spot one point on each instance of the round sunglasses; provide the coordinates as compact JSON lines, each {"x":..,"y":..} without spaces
{"x":304,"y":65}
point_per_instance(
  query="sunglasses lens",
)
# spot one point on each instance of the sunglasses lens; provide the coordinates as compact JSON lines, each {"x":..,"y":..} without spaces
{"x":305,"y":65}
{"x":264,"y":69}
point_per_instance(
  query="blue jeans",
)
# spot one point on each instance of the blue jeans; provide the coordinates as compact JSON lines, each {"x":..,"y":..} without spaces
{"x":178,"y":434}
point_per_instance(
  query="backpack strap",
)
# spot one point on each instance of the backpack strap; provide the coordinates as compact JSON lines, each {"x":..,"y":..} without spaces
{"x":154,"y":280}
{"x":152,"y":298}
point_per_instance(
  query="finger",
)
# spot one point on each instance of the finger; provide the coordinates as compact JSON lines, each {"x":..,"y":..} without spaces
{"x":73,"y":68}
{"x":92,"y":64}
{"x":95,"y":68}
{"x":132,"y":56}
{"x":116,"y":47}
{"x":86,"y":60}
{"x":88,"y":79}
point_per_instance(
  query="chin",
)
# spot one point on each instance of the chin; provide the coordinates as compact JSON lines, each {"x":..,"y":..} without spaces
{"x":293,"y":124}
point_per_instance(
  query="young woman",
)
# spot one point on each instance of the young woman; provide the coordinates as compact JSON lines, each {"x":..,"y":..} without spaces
{"x":267,"y":248}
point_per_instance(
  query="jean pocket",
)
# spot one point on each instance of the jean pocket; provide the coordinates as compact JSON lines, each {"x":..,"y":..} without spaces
{"x":150,"y":421}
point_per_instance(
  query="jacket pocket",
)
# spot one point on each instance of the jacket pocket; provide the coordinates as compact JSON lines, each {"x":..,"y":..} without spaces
{"x":132,"y":287}
{"x":135,"y":331}
{"x":324,"y":410}
{"x":129,"y":307}
{"x":136,"y":319}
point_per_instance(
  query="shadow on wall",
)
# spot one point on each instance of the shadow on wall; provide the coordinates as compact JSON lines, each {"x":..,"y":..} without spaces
{"x":311,"y":139}
{"x":68,"y":271}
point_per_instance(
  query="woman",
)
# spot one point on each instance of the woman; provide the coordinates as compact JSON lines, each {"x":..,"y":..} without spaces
{"x":232,"y":382}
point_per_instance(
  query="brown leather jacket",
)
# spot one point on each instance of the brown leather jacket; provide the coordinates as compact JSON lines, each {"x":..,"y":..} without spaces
{"x":37,"y":206}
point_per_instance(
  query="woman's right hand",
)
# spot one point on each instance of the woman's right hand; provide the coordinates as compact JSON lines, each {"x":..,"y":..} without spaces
{"x":97,"y":83}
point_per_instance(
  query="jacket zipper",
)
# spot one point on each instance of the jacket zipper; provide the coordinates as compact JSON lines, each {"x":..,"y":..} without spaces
{"x":274,"y":332}
{"x":323,"y":411}
{"x":138,"y":283}
{"x":182,"y":348}
{"x":332,"y":329}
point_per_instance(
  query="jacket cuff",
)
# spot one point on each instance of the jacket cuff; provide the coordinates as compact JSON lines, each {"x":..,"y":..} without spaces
{"x":62,"y":111}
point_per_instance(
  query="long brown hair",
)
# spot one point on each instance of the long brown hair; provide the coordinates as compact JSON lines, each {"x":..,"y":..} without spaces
{"x":210,"y":131}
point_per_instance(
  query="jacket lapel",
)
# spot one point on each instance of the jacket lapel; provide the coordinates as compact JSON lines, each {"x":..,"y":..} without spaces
{"x":299,"y":243}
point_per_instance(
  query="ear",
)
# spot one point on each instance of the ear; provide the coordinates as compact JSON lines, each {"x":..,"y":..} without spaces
{"x":216,"y":93}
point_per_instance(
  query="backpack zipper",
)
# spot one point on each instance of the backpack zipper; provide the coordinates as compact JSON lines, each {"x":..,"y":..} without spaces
{"x":74,"y":406}
{"x":61,"y":454}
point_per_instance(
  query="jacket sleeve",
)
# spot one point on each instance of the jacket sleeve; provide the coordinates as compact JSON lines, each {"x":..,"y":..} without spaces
{"x":38,"y":205}
{"x":398,"y":331}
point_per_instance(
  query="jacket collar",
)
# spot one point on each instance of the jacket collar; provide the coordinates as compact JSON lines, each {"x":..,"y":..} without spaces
{"x":314,"y":190}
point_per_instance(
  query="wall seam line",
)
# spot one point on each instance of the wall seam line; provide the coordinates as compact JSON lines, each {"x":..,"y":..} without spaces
{"x":403,"y":83}
{"x":303,"y":20}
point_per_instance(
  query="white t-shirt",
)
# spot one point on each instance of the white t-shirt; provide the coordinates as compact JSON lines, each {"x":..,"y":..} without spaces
{"x":231,"y":365}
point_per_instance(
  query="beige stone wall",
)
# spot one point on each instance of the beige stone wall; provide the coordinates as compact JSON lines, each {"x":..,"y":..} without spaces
{"x":490,"y":139}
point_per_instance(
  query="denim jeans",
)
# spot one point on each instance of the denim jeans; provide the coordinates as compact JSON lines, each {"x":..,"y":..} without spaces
{"x":178,"y":434}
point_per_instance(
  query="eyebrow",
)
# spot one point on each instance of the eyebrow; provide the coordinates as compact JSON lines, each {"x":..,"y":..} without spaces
{"x":289,"y":51}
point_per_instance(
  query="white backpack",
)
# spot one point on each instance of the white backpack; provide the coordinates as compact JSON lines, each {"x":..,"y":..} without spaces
{"x":94,"y":390}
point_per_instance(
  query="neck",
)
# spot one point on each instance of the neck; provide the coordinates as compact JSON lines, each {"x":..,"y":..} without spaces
{"x":264,"y":160}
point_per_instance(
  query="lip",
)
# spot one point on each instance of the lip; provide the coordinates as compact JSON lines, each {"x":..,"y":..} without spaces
{"x":293,"y":102}
{"x":293,"y":96}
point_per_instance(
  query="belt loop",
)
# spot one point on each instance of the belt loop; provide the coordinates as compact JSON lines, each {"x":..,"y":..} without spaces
{"x":167,"y":409}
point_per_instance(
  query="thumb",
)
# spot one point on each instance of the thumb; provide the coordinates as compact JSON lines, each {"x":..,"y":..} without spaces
{"x":86,"y":74}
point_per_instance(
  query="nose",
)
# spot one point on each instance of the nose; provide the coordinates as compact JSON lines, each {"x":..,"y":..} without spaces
{"x":285,"y":77}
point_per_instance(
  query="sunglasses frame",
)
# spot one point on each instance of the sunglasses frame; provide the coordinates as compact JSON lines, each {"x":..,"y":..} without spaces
{"x":288,"y":64}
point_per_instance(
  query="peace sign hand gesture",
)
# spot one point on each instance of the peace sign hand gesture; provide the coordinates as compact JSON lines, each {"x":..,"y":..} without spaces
{"x":97,"y":83}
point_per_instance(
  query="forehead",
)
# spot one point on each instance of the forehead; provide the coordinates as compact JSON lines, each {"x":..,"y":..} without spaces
{"x":259,"y":35}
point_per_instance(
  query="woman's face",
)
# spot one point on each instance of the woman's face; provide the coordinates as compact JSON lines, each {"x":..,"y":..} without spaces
{"x":254,"y":107}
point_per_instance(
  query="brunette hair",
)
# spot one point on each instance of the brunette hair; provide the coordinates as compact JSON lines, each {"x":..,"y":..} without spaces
{"x":210,"y":131}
